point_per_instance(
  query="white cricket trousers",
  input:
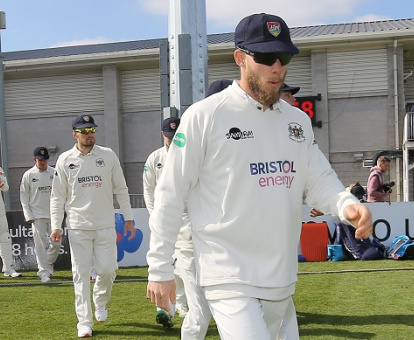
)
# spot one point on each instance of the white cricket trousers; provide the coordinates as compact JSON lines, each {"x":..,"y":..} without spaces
{"x":46,"y":251}
{"x":181,"y":299}
{"x":195,"y":324}
{"x":97,"y":247}
{"x":289,"y":328}
{"x":250,"y":318}
{"x":6,"y":252}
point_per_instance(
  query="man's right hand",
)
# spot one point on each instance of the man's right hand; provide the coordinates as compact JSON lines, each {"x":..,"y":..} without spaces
{"x":56,"y":235}
{"x":160,"y":294}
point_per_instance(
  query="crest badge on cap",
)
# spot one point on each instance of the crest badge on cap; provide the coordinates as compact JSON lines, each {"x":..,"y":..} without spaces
{"x":273,"y":28}
{"x":85,"y":118}
{"x":173,"y":126}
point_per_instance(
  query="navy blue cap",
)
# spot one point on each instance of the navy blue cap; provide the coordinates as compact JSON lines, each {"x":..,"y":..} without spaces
{"x":41,"y":153}
{"x":218,"y":86}
{"x":169,"y":126}
{"x":264,"y":33}
{"x":83,"y":121}
{"x":292,"y":89}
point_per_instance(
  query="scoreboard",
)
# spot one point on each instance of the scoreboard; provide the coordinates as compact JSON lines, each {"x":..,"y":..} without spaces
{"x":307,"y":105}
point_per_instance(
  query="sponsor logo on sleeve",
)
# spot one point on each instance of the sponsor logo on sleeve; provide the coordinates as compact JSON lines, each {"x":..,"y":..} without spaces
{"x":180,"y":140}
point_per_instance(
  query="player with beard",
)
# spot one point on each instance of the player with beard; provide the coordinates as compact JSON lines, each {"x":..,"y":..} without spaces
{"x":242,"y":160}
{"x":86,"y":178}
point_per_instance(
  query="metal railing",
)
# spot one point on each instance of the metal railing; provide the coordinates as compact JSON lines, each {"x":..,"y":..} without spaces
{"x":137,"y":201}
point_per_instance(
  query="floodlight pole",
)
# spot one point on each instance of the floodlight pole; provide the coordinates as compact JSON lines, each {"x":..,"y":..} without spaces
{"x":188,"y":63}
{"x":3,"y":135}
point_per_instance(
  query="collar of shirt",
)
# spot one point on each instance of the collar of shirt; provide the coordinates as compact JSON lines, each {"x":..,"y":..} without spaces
{"x":79,"y":153}
{"x":245,"y":96}
{"x":38,"y":170}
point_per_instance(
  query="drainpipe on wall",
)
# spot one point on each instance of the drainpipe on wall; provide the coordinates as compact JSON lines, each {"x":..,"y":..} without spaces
{"x":396,"y":121}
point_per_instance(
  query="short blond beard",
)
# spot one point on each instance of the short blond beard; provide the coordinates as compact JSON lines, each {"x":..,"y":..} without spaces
{"x":264,"y":98}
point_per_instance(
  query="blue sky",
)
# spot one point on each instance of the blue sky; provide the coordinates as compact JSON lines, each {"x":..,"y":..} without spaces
{"x":37,"y":24}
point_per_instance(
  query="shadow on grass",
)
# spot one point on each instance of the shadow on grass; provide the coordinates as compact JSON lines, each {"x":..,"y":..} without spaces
{"x":332,"y":320}
{"x":336,"y":334}
{"x":132,"y":329}
{"x":138,"y":330}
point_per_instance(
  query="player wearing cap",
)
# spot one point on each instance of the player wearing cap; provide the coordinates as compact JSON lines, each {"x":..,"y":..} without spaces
{"x":197,"y":319}
{"x":241,"y":161}
{"x":217,"y":86}
{"x":6,"y":253}
{"x":35,"y":188}
{"x":86,"y":178}
{"x":152,"y":171}
{"x":288,"y":93}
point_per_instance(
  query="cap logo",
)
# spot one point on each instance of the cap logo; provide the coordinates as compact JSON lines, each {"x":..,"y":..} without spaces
{"x":85,"y":118}
{"x":42,"y":152}
{"x":274,"y":28}
{"x":173,"y":126}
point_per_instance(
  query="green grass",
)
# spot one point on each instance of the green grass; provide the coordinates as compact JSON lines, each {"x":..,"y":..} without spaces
{"x":334,"y":300}
{"x":365,"y":301}
{"x":36,"y":311}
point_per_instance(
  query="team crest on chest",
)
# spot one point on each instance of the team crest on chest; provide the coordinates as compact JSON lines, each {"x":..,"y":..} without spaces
{"x":296,"y":132}
{"x":100,"y":162}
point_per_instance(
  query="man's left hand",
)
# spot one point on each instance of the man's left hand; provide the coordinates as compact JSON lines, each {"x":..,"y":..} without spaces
{"x":360,"y":217}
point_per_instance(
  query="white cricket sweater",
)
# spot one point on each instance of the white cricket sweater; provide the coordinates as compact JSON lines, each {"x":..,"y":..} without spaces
{"x":84,"y":185}
{"x":35,"y":189}
{"x":242,"y":172}
{"x":152,"y":172}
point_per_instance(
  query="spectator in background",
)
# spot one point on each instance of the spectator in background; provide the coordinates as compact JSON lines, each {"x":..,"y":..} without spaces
{"x":6,"y":253}
{"x":375,"y":183}
{"x":287,"y":93}
{"x":357,"y":190}
{"x":241,"y":161}
{"x":35,"y":189}
{"x":86,"y":178}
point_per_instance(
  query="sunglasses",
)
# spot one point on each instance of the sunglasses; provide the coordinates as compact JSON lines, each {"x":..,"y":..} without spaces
{"x":269,"y":58}
{"x":85,"y":131}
